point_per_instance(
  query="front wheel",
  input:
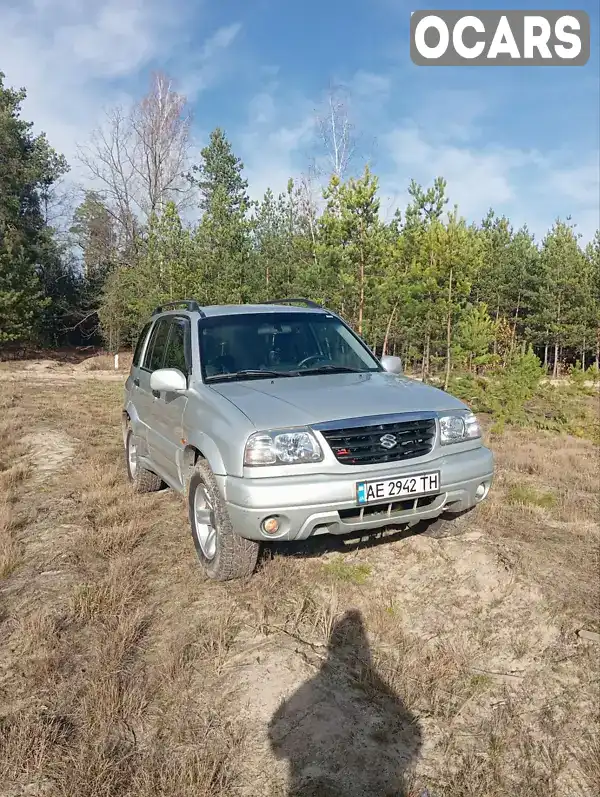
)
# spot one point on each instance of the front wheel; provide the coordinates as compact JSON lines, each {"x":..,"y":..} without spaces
{"x":143,"y":480}
{"x":224,"y":555}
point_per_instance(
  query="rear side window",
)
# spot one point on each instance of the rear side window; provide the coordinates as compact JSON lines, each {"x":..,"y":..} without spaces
{"x":137,"y":354}
{"x":155,"y":351}
{"x":178,"y":347}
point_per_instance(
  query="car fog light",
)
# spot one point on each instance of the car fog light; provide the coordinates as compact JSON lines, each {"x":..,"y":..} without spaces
{"x":481,"y":491}
{"x":270,"y":525}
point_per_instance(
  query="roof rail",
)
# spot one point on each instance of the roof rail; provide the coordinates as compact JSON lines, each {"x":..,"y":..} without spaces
{"x":307,"y":302}
{"x":190,"y":304}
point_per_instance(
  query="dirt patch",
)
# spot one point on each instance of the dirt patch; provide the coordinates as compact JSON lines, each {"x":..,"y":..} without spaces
{"x":49,"y":450}
{"x":41,"y":365}
{"x":61,"y":375}
{"x":451,"y":628}
{"x":99,"y":367}
{"x":323,"y":720}
{"x":106,"y":362}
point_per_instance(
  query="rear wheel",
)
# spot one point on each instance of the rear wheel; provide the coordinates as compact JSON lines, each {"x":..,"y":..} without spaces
{"x":224,"y":555}
{"x":143,"y":480}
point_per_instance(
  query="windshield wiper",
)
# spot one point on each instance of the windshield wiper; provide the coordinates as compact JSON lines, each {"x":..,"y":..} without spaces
{"x":249,"y":373}
{"x":257,"y":373}
{"x":331,"y":369}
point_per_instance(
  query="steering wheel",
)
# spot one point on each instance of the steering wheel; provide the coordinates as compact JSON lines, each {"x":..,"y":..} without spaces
{"x":309,"y":359}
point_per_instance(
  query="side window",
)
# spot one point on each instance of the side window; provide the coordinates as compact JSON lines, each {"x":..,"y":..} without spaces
{"x":155,"y":351}
{"x":178,"y":347}
{"x":140,"y":344}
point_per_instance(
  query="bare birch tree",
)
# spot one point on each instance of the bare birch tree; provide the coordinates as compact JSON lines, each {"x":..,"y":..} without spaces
{"x":138,"y":157}
{"x":107,"y":159}
{"x":309,"y":206}
{"x":337,"y":131}
{"x":161,"y":126}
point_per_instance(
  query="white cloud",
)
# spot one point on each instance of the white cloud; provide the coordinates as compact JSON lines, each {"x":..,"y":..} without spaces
{"x":272,"y":156}
{"x":262,"y":109}
{"x":111,"y":39}
{"x":75,"y":57}
{"x":579,"y":183}
{"x":277,"y":137}
{"x":370,"y":85}
{"x":220,"y":40}
{"x":529,"y":186}
{"x":212,"y":62}
{"x":476,"y":178}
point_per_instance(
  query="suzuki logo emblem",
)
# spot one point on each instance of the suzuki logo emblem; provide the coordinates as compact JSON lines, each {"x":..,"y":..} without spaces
{"x":388,"y":440}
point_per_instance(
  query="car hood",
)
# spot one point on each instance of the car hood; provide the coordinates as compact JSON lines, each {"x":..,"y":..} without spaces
{"x":306,"y":400}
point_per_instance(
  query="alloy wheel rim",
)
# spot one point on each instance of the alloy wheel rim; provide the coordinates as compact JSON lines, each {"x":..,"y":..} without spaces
{"x":204,"y":522}
{"x":132,"y":456}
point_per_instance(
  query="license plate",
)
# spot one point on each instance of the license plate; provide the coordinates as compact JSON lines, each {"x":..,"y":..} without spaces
{"x":396,"y":489}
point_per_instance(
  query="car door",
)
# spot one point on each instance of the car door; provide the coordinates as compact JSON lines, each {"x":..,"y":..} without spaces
{"x":153,"y":358}
{"x":132,"y":389}
{"x":165,"y":441}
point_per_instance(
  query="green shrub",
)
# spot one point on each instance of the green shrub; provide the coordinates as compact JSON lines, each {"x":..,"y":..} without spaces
{"x":579,"y":378}
{"x":524,"y":495}
{"x":515,"y":395}
{"x":507,"y":390}
{"x":593,"y":374}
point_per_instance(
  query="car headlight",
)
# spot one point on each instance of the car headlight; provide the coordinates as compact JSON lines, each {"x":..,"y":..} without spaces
{"x":458,"y":428}
{"x":282,"y":447}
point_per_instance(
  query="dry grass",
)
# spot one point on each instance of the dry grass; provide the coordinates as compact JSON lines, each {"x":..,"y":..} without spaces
{"x":544,"y":512}
{"x":124,"y":672}
{"x":9,"y":546}
{"x":98,"y":696}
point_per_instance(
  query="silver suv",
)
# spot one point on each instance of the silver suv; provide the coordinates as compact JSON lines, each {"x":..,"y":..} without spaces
{"x":278,"y":423}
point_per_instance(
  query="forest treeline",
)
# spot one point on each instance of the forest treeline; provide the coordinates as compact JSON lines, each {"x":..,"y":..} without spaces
{"x":165,"y":222}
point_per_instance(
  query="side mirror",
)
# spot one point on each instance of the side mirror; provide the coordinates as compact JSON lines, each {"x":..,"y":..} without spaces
{"x":170,"y":380}
{"x":393,"y":365}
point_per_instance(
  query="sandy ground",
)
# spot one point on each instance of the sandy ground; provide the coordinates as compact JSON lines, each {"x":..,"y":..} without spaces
{"x":53,"y":371}
{"x":403,"y":665}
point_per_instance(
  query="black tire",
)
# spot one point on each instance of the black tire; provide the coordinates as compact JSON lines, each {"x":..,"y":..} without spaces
{"x":234,"y":556}
{"x":142,"y":480}
{"x":448,"y":525}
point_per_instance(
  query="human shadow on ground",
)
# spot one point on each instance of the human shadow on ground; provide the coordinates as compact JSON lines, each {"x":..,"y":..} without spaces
{"x":345,"y":732}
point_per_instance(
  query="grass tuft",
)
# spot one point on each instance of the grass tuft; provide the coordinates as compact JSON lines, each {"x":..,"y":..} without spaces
{"x":524,"y":495}
{"x":341,"y":570}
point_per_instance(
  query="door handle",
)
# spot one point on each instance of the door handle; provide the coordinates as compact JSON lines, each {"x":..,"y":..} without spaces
{"x":136,"y":382}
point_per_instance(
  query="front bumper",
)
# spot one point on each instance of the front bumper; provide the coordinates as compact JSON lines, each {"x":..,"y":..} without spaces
{"x":326,"y":504}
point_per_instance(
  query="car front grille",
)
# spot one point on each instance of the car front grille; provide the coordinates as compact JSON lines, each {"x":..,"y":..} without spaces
{"x":392,"y":511}
{"x":383,"y":442}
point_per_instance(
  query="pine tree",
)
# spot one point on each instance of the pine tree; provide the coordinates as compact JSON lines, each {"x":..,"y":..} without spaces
{"x":475,"y":334}
{"x":95,"y":233}
{"x":591,"y":307}
{"x":218,"y":177}
{"x":352,"y":241}
{"x":223,"y":237}
{"x":29,"y":167}
{"x":561,"y":288}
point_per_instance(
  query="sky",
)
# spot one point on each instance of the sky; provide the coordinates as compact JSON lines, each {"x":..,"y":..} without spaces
{"x":521,"y":140}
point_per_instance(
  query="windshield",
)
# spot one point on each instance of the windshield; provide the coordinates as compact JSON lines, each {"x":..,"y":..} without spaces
{"x":255,"y":345}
